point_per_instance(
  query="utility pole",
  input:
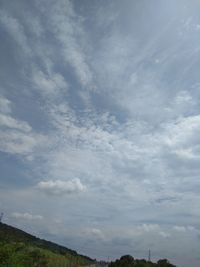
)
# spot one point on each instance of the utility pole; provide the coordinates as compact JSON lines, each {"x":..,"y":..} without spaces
{"x":149,"y":256}
{"x":108,"y":259}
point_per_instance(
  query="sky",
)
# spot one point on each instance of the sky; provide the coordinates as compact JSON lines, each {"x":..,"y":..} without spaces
{"x":100,"y":123}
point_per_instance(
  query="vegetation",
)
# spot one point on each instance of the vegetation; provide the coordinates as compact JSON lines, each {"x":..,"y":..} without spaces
{"x":19,"y":249}
{"x":129,"y":261}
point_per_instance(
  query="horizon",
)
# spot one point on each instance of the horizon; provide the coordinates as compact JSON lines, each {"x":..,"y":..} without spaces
{"x":99,"y":125}
{"x":148,"y":258}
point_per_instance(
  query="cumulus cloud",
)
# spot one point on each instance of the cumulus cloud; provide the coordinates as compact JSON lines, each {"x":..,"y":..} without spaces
{"x":59,"y":187}
{"x":26,"y":216}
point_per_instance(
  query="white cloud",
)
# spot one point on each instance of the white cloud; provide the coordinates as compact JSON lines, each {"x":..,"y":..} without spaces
{"x":179,"y":228}
{"x":58,"y":187}
{"x":132,"y":161}
{"x":164,"y":234}
{"x":183,"y":131}
{"x":67,"y":29}
{"x":183,"y":97}
{"x":149,"y":227}
{"x":17,"y":136}
{"x":50,"y":85}
{"x":184,"y":229}
{"x":8,"y":121}
{"x":186,"y":153}
{"x":5,"y":105}
{"x":94,"y":233}
{"x":26,"y":216}
{"x":16,"y":30}
{"x":19,"y":143}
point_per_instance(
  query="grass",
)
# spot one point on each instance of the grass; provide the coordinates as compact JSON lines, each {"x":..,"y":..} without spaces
{"x":19,"y":249}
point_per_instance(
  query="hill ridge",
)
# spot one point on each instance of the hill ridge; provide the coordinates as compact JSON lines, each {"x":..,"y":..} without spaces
{"x":17,"y":242}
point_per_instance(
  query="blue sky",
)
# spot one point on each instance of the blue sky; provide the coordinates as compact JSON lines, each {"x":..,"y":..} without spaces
{"x":99,"y":125}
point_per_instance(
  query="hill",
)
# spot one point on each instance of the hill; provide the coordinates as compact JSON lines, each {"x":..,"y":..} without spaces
{"x":20,"y":249}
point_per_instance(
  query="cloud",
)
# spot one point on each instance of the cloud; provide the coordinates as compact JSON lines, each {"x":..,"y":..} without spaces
{"x":149,"y":228}
{"x":9,"y":122}
{"x":26,"y":216}
{"x":19,"y":143}
{"x":183,"y":131}
{"x":17,"y":136}
{"x":5,"y":105}
{"x":16,"y":31}
{"x":164,"y":234}
{"x":94,"y":233}
{"x":184,"y":229}
{"x":179,"y":228}
{"x":58,"y":187}
{"x":134,"y":140}
{"x":51,"y":85}
{"x":67,"y":29}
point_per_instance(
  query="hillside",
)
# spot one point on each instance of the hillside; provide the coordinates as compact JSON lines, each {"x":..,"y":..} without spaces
{"x":20,"y":249}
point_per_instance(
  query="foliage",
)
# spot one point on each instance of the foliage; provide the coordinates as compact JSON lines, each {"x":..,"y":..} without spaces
{"x":19,"y":249}
{"x":23,"y":255}
{"x":129,"y":261}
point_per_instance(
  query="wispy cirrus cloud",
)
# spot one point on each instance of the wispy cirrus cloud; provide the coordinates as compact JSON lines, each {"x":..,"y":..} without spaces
{"x":66,"y":28}
{"x":15,"y":30}
{"x":17,"y":136}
